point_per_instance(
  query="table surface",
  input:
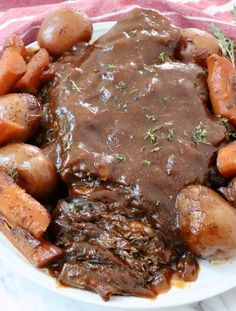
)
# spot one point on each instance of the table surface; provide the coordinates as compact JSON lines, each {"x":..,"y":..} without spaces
{"x":18,"y":293}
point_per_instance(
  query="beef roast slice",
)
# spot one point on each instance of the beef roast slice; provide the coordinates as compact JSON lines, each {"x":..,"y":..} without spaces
{"x":131,"y":130}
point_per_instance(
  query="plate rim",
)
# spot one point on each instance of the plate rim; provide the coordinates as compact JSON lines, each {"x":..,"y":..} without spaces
{"x":227,"y":284}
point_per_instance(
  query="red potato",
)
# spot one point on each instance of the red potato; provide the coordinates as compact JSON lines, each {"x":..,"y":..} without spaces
{"x":221,"y":79}
{"x":36,"y":173}
{"x":207,"y":222}
{"x":196,"y":45}
{"x":31,"y":81}
{"x":62,"y":29}
{"x":39,"y":252}
{"x":22,"y":109}
{"x":226,"y":160}
{"x":12,"y":68}
{"x":20,"y":209}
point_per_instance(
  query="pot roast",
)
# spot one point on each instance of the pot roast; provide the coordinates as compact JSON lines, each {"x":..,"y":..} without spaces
{"x":128,"y":128}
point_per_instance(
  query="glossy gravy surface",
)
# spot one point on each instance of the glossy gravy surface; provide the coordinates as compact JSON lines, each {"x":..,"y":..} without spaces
{"x":131,"y":126}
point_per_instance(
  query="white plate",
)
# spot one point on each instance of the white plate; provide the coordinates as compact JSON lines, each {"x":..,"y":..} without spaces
{"x":213,"y":279}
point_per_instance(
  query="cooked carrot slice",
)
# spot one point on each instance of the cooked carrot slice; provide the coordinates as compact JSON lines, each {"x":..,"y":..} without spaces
{"x":221,"y":79}
{"x":31,"y":81}
{"x":226,"y":160}
{"x":20,"y":209}
{"x":8,"y":130}
{"x":12,"y":68}
{"x":39,"y":252}
{"x":17,"y":44}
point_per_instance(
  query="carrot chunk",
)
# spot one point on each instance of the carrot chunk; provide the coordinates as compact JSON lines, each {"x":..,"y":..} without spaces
{"x":8,"y":130}
{"x":12,"y":68}
{"x":226,"y":160}
{"x":39,"y":252}
{"x":16,"y":44}
{"x":20,"y":209}
{"x":221,"y":80}
{"x":31,"y":81}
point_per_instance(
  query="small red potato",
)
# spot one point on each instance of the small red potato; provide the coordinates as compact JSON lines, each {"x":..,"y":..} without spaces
{"x":207,"y":222}
{"x":62,"y":29}
{"x":33,"y":171}
{"x":196,"y":45}
{"x":22,"y":109}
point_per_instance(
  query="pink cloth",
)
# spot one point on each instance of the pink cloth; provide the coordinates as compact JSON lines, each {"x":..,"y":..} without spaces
{"x":25,"y":20}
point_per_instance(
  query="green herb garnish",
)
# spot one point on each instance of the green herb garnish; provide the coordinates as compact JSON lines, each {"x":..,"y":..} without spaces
{"x":109,"y":67}
{"x":121,"y":85}
{"x":146,"y":162}
{"x":199,"y":136}
{"x":151,"y":135}
{"x":157,"y":149}
{"x":71,"y":206}
{"x":11,"y":172}
{"x":121,"y":157}
{"x":125,"y":107}
{"x":65,"y":76}
{"x":68,"y":146}
{"x":224,"y":120}
{"x":133,"y":32}
{"x":162,"y":57}
{"x":170,"y":134}
{"x":164,"y":99}
{"x":75,"y":86}
{"x":226,"y":44}
{"x":231,"y":135}
{"x":151,"y":117}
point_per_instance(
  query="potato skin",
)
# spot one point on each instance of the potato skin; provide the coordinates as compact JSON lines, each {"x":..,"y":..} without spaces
{"x":36,"y":173}
{"x":207,"y":222}
{"x":62,"y":29}
{"x":196,"y":45}
{"x":23,"y":109}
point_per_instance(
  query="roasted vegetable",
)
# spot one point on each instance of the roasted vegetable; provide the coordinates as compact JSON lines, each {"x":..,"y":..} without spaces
{"x":31,"y":81}
{"x":226,"y":160}
{"x":12,"y":68}
{"x":39,"y":252}
{"x":22,"y":109}
{"x":196,"y":45}
{"x":207,"y":222}
{"x":221,"y":83}
{"x":15,"y":43}
{"x":9,"y":130}
{"x":35,"y":172}
{"x":62,"y":29}
{"x":20,"y":209}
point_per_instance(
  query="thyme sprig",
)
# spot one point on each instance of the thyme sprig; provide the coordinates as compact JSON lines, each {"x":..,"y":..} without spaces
{"x":170,"y":134}
{"x":121,"y":157}
{"x":133,"y":32}
{"x":199,"y":136}
{"x":12,"y":172}
{"x":146,"y":162}
{"x":75,"y":86}
{"x":162,"y":57}
{"x":226,"y":44}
